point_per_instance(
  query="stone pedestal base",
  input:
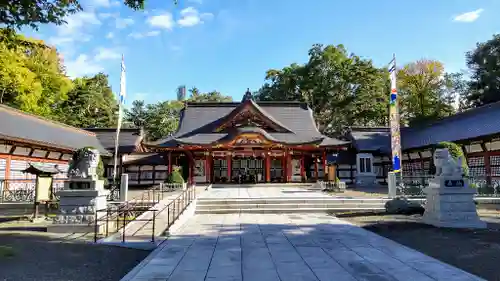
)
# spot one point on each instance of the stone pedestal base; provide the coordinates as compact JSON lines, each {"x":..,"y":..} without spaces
{"x":368,"y":180}
{"x":450,"y":203}
{"x":78,"y":209}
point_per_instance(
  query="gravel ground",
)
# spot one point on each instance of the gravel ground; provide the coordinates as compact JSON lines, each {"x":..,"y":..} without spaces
{"x":475,"y":251}
{"x":44,"y":257}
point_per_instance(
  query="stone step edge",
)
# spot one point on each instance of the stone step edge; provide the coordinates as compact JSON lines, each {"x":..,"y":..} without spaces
{"x":245,"y":206}
{"x":290,"y":202}
{"x":284,"y":209}
{"x":290,"y":199}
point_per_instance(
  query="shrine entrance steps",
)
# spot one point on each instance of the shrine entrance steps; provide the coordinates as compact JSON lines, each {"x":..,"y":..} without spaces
{"x":277,"y":199}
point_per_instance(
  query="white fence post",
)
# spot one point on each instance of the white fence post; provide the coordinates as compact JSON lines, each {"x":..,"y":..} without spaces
{"x":392,"y":184}
{"x":123,"y":187}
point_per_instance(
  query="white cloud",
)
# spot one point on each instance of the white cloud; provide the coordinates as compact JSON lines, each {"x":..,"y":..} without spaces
{"x":469,"y":16}
{"x":78,"y":21}
{"x":82,"y":65}
{"x":164,"y":21}
{"x":107,"y":15}
{"x":122,"y":23}
{"x":74,"y":29}
{"x":110,"y":35}
{"x":100,"y":3}
{"x":56,"y":41}
{"x":107,"y":54}
{"x":191,"y":17}
{"x":138,"y":35}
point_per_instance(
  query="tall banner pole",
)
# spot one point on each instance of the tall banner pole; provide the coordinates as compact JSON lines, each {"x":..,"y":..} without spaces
{"x":394,"y":118}
{"x":120,"y":116}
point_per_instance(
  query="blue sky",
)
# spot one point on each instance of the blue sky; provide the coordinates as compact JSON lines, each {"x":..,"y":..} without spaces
{"x":227,"y":45}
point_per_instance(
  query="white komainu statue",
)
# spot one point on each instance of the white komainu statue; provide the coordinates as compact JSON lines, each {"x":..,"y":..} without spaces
{"x":84,"y":163}
{"x":446,"y":165}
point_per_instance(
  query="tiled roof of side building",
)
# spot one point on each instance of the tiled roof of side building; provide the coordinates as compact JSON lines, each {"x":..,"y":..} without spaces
{"x":16,"y":125}
{"x":370,"y":139}
{"x":199,"y":119}
{"x":470,"y":124}
{"x":129,"y":139}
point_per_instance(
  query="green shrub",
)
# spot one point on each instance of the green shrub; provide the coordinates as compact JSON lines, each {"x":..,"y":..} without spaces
{"x":175,"y":177}
{"x":455,"y":151}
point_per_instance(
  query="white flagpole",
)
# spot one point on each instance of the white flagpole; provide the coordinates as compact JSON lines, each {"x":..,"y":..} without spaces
{"x":120,"y":116}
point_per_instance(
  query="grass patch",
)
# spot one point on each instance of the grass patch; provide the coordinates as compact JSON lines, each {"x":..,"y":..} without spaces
{"x":6,"y":251}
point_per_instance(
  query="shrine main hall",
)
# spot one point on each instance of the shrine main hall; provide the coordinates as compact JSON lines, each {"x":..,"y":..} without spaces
{"x":247,"y":142}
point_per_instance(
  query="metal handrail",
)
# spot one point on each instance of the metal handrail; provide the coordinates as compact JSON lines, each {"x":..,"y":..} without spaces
{"x":120,"y":215}
{"x":23,"y":190}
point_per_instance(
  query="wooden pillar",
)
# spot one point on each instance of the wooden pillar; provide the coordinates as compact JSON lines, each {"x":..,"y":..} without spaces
{"x":7,"y":172}
{"x":487,"y":164}
{"x":316,"y":167}
{"x":169,"y":162}
{"x":229,"y":158}
{"x":190,"y":170}
{"x":7,"y":167}
{"x":208,"y":161}
{"x":120,"y":167}
{"x":302,"y":167}
{"x":154,"y":174}
{"x":283,"y":167}
{"x":324,"y":164}
{"x":139,"y":174}
{"x":268,"y":167}
{"x":289,"y":168}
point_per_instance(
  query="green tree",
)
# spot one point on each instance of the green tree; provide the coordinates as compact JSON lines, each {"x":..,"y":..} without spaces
{"x":32,"y":13}
{"x":485,"y":70}
{"x":91,"y":104}
{"x":427,"y":92}
{"x":212,"y":96}
{"x":31,"y":75}
{"x":162,"y":119}
{"x":137,"y":115}
{"x":342,"y":89}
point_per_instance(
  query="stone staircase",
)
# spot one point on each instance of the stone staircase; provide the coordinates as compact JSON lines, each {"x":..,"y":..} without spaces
{"x":287,"y":205}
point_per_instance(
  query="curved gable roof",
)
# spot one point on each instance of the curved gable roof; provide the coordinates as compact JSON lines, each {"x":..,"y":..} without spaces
{"x":249,"y":104}
{"x":199,"y":120}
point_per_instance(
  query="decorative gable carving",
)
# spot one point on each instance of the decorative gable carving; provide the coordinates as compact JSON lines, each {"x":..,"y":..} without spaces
{"x":249,"y":116}
{"x":249,"y":140}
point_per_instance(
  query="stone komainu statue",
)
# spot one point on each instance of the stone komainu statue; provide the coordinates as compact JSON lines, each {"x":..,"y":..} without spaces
{"x":446,"y":165}
{"x":84,"y":163}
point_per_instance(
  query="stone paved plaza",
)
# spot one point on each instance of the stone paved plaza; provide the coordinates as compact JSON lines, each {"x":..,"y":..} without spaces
{"x":262,"y":192}
{"x":285,"y":247}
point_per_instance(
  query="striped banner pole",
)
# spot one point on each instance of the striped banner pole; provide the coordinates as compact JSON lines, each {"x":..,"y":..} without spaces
{"x":122,"y":96}
{"x":394,"y":118}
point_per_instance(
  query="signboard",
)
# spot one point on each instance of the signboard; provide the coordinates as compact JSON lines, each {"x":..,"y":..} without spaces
{"x":43,"y":187}
{"x":331,"y":159}
{"x":454,"y":183}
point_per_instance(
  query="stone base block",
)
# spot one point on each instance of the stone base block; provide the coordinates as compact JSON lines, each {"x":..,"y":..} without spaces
{"x":366,"y":180}
{"x":450,"y":203}
{"x":475,"y":223}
